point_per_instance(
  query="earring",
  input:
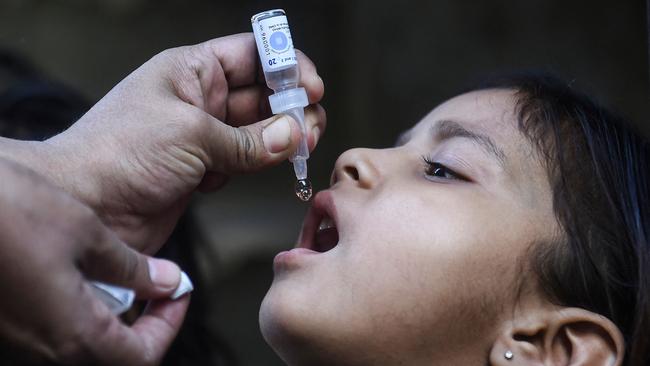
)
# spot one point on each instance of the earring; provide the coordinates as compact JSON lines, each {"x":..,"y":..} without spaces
{"x":508,"y":355}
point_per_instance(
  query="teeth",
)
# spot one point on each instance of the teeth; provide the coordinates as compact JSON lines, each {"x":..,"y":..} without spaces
{"x":326,"y":223}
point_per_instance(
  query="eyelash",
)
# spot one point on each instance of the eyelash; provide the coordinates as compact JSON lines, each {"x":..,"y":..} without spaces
{"x":434,"y":167}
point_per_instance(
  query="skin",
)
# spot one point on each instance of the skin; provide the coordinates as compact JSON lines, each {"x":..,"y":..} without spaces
{"x":183,"y":122}
{"x":49,"y":311}
{"x":426,"y":266}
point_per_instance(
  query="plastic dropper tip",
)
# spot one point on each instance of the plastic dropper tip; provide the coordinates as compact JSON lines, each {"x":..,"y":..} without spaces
{"x":300,"y":167}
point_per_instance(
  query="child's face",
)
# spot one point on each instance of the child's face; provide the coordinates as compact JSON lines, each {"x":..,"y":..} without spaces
{"x":427,"y":261}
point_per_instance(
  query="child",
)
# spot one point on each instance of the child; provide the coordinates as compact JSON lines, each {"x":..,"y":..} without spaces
{"x":507,"y":227}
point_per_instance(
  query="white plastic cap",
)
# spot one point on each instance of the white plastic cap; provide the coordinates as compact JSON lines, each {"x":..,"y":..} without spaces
{"x":120,"y":299}
{"x":184,"y":287}
{"x":288,"y":99}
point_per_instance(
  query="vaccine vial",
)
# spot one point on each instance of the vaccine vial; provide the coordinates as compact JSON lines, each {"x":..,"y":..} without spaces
{"x":280,"y":66}
{"x":275,"y":47}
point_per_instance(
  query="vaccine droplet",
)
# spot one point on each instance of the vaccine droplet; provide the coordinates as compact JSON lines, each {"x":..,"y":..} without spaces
{"x":303,"y":189}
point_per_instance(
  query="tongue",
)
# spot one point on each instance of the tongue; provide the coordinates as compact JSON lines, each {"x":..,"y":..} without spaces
{"x":326,"y":239}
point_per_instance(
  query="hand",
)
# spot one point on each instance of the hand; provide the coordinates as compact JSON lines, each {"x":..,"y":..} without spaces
{"x":50,"y":245}
{"x":183,"y":121}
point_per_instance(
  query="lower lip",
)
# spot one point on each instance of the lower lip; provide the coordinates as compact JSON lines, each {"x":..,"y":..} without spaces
{"x":290,"y":258}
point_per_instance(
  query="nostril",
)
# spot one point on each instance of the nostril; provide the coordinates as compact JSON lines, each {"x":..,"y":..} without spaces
{"x":351,"y":172}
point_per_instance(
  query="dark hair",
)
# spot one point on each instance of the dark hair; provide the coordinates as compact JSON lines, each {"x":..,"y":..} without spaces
{"x":598,"y":169}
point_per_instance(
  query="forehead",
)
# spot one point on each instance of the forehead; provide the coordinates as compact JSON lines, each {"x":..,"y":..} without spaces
{"x":490,"y":112}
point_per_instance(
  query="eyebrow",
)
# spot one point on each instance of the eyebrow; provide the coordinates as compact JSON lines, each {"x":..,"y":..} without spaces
{"x":448,"y":129}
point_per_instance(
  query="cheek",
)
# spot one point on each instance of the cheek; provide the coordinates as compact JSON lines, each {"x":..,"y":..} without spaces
{"x":427,"y":270}
{"x":411,"y":268}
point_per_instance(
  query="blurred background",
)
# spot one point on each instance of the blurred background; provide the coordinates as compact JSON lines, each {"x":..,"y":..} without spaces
{"x":385,"y":65}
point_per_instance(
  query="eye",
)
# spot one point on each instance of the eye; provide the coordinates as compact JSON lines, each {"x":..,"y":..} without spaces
{"x":439,"y":171}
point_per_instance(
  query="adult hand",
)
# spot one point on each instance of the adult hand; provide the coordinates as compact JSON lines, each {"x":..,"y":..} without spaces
{"x":50,"y":246}
{"x":186,"y":119}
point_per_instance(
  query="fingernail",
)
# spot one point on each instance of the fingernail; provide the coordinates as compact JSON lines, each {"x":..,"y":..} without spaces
{"x":277,"y":135}
{"x":164,"y":274}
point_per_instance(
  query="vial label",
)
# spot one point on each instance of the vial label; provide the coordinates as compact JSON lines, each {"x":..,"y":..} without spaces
{"x":274,"y":43}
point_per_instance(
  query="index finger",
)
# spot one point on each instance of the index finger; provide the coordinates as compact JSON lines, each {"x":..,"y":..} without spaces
{"x":238,"y":58}
{"x":237,"y":55}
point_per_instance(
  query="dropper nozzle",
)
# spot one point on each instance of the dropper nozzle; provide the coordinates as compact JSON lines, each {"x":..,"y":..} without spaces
{"x":300,"y":167}
{"x":300,"y":156}
{"x":303,"y":185}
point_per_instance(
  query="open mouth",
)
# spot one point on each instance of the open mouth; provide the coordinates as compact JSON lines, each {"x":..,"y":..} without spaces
{"x":327,"y":236}
{"x":319,"y":232}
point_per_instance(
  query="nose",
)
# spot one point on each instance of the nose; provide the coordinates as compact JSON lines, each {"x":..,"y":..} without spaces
{"x":357,"y":167}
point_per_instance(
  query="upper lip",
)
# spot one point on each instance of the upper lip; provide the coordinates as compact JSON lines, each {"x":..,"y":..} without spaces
{"x":322,"y":206}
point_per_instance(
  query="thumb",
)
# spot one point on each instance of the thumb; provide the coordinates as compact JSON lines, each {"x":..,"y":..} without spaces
{"x":112,"y":261}
{"x":252,"y":147}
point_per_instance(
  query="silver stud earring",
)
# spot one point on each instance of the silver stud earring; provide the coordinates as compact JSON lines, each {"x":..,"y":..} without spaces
{"x":508,"y":355}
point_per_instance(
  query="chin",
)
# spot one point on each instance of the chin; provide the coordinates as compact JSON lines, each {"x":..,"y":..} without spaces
{"x":291,"y":328}
{"x":280,"y":325}
{"x":304,"y":329}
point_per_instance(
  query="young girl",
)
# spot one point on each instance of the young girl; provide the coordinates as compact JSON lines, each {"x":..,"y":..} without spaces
{"x":507,"y":227}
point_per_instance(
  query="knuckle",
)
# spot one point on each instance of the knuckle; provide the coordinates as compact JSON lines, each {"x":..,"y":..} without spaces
{"x":189,"y":58}
{"x":166,"y":53}
{"x":165,"y":56}
{"x":193,"y":57}
{"x":169,"y":53}
{"x":184,"y":66}
{"x":126,"y":262}
{"x":131,"y":265}
{"x":245,"y":148}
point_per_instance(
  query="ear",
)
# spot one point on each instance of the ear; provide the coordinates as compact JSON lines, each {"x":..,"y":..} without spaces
{"x":564,"y":337}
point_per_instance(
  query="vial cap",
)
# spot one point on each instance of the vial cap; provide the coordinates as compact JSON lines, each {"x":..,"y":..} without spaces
{"x":288,"y":99}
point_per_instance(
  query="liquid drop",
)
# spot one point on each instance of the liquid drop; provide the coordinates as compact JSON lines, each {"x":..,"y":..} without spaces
{"x":303,"y":189}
